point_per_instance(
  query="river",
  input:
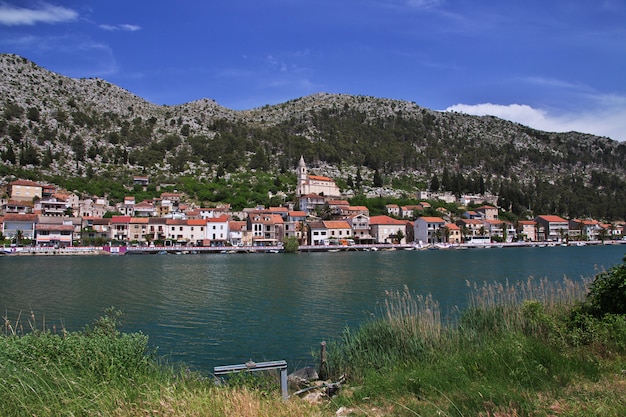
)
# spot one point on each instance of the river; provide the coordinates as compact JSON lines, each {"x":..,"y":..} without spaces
{"x":221,"y":309}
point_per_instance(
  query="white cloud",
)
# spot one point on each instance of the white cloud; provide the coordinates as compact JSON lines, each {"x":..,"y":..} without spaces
{"x":606,"y":121}
{"x":45,"y":13}
{"x":122,"y":27}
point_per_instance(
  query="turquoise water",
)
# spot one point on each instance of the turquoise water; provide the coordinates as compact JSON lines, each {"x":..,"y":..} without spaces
{"x":220,"y":309}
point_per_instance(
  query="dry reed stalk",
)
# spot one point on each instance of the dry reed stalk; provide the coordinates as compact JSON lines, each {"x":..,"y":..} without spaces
{"x":553,"y":294}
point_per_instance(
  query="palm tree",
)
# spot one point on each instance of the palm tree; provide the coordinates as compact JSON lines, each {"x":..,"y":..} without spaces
{"x":19,"y":236}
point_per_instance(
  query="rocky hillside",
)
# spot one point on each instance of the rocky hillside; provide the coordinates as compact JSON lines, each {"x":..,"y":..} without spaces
{"x":55,"y":126}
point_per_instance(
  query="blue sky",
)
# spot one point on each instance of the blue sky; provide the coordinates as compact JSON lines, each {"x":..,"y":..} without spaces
{"x":555,"y":65}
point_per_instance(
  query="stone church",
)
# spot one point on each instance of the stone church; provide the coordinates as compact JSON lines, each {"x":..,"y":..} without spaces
{"x":314,"y":184}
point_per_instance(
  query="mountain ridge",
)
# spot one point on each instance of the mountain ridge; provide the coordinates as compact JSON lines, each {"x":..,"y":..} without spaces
{"x":62,"y":126}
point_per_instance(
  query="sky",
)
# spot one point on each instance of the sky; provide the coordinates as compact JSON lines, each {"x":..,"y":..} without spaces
{"x":554,"y":65}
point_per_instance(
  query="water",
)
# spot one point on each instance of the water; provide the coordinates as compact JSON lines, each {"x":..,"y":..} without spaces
{"x":220,"y":309}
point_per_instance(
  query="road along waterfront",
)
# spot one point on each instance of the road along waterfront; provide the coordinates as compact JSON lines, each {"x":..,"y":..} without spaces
{"x":219,"y":309}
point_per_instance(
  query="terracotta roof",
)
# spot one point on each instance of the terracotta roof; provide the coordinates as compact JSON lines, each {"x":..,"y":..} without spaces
{"x":15,"y":217}
{"x":139,"y":220}
{"x":552,"y":219}
{"x":432,"y":219}
{"x":336,"y":224}
{"x":25,"y":183}
{"x":319,"y":178}
{"x":120,"y":219}
{"x":297,"y":213}
{"x":382,"y":220}
{"x":54,"y":227}
{"x":196,"y":222}
{"x":223,"y":218}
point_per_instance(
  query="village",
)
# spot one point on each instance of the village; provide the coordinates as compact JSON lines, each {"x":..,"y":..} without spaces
{"x":42,"y":216}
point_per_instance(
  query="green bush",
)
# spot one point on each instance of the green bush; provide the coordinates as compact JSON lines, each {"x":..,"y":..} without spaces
{"x":607,"y":294}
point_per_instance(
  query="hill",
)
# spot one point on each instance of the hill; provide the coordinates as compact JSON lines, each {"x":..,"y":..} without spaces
{"x":82,"y":131}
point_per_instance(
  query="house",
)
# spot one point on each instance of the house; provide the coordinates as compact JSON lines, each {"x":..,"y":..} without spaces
{"x":355,"y":210}
{"x":494,"y":229}
{"x":385,"y":229}
{"x":127,"y":208}
{"x":191,"y":231}
{"x":138,"y":229}
{"x":392,"y":210}
{"x":314,"y":184}
{"x":96,"y":229}
{"x":217,"y":230}
{"x":454,"y":233}
{"x":584,"y":229}
{"x":237,"y":234}
{"x":15,"y":225}
{"x":267,"y":229}
{"x":141,"y":180}
{"x":527,"y":230}
{"x":57,"y":234}
{"x":25,"y":190}
{"x":295,"y":225}
{"x":310,"y":202}
{"x":361,"y":230}
{"x":555,"y":228}
{"x":488,"y":212}
{"x":120,"y":228}
{"x":17,"y":207}
{"x":52,"y":206}
{"x":329,"y":232}
{"x":429,"y":229}
{"x":157,"y":229}
{"x":472,"y":229}
{"x":144,"y":209}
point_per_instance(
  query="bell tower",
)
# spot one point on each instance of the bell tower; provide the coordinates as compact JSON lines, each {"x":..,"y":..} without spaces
{"x":303,"y":177}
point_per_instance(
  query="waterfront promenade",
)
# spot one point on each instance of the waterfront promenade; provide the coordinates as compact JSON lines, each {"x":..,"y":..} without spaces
{"x":194,"y":250}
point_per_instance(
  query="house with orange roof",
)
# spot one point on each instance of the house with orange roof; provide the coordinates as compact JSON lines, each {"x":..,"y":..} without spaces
{"x":527,"y":230}
{"x":361,"y":229}
{"x":295,"y":225}
{"x":18,"y":207}
{"x":238,"y":233}
{"x":471,"y":228}
{"x":584,"y":229}
{"x":355,"y":210}
{"x":429,"y":229}
{"x":453,"y":233}
{"x":25,"y":190}
{"x":555,"y":228}
{"x":310,"y":202}
{"x":96,"y":228}
{"x":385,"y":229}
{"x":488,"y":212}
{"x":392,"y":209}
{"x":217,"y":230}
{"x":54,"y":234}
{"x":329,"y":232}
{"x":19,"y":223}
{"x":120,"y":227}
{"x":139,"y":229}
{"x":267,"y":229}
{"x":144,"y":209}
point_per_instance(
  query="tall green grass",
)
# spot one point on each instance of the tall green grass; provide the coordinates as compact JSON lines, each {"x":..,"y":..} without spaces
{"x":513,"y":344}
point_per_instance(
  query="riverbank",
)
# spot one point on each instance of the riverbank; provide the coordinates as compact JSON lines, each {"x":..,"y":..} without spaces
{"x":195,"y":250}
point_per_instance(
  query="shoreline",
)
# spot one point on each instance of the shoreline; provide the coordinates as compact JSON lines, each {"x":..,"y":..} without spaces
{"x":193,"y":250}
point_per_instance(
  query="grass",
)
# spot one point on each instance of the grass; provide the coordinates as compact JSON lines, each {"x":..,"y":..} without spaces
{"x":518,"y":350}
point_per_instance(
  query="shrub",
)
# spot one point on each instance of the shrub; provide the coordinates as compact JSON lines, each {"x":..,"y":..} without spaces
{"x":607,"y":293}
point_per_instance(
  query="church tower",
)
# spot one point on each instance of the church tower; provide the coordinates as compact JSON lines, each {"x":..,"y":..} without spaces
{"x":303,"y":177}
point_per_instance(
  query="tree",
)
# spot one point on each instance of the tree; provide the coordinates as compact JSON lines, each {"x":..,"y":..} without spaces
{"x":290,"y":244}
{"x":434,"y":183}
{"x":378,"y":180}
{"x":399,"y":236}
